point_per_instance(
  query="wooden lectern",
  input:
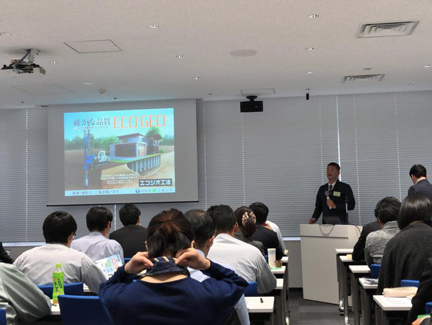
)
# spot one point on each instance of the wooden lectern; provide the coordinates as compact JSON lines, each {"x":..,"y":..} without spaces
{"x":318,"y":244}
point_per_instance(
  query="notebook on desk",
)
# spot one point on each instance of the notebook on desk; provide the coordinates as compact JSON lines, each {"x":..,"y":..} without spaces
{"x":109,"y":264}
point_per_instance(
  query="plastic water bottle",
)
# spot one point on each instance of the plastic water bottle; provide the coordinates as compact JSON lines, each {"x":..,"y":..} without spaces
{"x":58,"y":283}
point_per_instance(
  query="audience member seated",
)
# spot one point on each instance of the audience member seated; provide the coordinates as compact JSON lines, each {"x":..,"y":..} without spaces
{"x":204,"y":230}
{"x":271,"y":225}
{"x":406,"y":254}
{"x":358,"y":253}
{"x":4,"y":256}
{"x":96,"y":245}
{"x":386,"y":212}
{"x":246,"y":260}
{"x":424,"y":294}
{"x":246,"y":221}
{"x":20,"y":298}
{"x":132,"y":236}
{"x":39,"y":263}
{"x":166,"y":294}
{"x":265,"y":235}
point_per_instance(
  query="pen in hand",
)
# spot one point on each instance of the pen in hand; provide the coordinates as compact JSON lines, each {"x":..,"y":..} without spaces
{"x":261,"y":299}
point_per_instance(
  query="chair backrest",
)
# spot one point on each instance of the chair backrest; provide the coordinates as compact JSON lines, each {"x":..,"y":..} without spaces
{"x":251,"y":289}
{"x":409,"y":283}
{"x":428,"y":307}
{"x":82,"y":310}
{"x":2,"y":317}
{"x":375,"y":269}
{"x":76,"y":288}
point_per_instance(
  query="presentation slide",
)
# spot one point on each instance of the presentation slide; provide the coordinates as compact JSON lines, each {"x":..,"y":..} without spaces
{"x":129,"y":152}
{"x":119,"y":152}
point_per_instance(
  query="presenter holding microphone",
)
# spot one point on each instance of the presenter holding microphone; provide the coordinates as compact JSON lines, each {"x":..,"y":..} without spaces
{"x":333,"y":199}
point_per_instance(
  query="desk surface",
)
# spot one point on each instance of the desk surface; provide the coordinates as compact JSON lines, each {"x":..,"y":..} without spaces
{"x":345,"y":259}
{"x":279,"y":284}
{"x":55,"y":309}
{"x":285,"y":260}
{"x":393,"y":304}
{"x":366,"y":285}
{"x":279,"y":270}
{"x":344,"y":250}
{"x":359,"y":269}
{"x":254,"y":304}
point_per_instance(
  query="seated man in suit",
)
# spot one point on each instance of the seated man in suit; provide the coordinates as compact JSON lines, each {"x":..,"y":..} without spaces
{"x":421,"y":185}
{"x":262,"y":234}
{"x":204,"y":230}
{"x":406,"y":254}
{"x":386,"y":212}
{"x":132,"y":236}
{"x":38,"y":263}
{"x":20,"y":298}
{"x":359,"y":248}
{"x":96,"y":245}
{"x":246,"y":260}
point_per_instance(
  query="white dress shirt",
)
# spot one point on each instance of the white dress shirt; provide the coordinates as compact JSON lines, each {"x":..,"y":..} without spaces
{"x":240,"y":306}
{"x":39,"y":264}
{"x":97,"y":246}
{"x":246,"y":260}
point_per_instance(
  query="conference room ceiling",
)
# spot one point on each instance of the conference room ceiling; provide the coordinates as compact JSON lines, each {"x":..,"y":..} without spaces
{"x":108,"y":51}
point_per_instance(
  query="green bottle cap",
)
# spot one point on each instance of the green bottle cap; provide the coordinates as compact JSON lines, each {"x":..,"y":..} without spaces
{"x":58,"y":266}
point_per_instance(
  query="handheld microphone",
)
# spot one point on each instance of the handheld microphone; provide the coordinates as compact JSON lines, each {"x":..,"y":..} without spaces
{"x":327,"y":194}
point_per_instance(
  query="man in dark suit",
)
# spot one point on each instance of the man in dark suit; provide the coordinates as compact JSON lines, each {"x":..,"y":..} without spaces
{"x":359,"y":248}
{"x":132,"y":236}
{"x":264,"y":233}
{"x":421,"y":185}
{"x":332,"y":198}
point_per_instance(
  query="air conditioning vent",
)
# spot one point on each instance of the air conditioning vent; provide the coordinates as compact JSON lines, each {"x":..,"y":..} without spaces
{"x":398,"y":28}
{"x":363,"y":77}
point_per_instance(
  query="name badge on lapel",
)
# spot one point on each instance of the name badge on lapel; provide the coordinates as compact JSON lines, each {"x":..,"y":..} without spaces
{"x":335,"y":193}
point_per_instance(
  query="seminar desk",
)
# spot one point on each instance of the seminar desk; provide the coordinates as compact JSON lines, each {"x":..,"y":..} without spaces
{"x":397,"y":308}
{"x":356,"y":272}
{"x":339,"y":265}
{"x":367,"y":290}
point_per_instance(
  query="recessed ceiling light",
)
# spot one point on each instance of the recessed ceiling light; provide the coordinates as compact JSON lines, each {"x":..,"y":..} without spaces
{"x":4,"y":34}
{"x":88,"y":82}
{"x":410,"y":84}
{"x":312,"y":16}
{"x":428,"y":66}
{"x":53,"y":62}
{"x":115,"y":98}
{"x":196,"y":78}
{"x":367,"y":69}
{"x":210,"y":94}
{"x":310,"y":49}
{"x":154,"y":26}
{"x":309,"y":72}
{"x":180,"y":56}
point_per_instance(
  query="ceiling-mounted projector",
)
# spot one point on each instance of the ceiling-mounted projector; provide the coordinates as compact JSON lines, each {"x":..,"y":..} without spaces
{"x":24,"y":65}
{"x":251,"y":105}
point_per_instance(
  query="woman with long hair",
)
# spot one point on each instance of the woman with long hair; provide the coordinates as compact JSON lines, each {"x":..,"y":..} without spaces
{"x":246,"y":221}
{"x":166,"y":294}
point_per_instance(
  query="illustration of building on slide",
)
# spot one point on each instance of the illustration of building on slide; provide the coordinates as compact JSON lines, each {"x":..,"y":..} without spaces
{"x":119,"y":152}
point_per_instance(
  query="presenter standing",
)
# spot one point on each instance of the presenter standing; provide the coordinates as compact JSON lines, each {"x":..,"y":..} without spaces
{"x":333,"y":198}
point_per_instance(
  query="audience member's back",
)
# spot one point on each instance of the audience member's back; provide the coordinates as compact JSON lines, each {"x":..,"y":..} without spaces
{"x":132,"y":236}
{"x":246,"y":221}
{"x":262,"y":234}
{"x":386,"y":212}
{"x":39,"y":263}
{"x":246,"y":260}
{"x":406,"y":254}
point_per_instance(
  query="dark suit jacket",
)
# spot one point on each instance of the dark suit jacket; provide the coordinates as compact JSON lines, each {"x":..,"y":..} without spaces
{"x":131,"y":238}
{"x":269,"y":239}
{"x":340,"y":192}
{"x":422,"y":187}
{"x":4,"y":256}
{"x":358,"y":252}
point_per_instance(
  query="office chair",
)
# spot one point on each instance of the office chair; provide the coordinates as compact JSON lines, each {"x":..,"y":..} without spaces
{"x":2,"y":317}
{"x":251,"y":289}
{"x":83,"y":310}
{"x":69,"y":289}
{"x":375,"y":269}
{"x":410,"y":283}
{"x":428,"y":307}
